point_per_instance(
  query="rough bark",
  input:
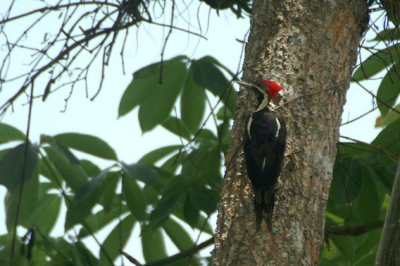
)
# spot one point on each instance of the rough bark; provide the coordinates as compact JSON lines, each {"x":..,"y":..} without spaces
{"x":309,"y":46}
{"x":389,"y":248}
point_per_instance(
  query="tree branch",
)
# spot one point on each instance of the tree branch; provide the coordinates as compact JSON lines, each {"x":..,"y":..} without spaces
{"x":388,"y":250}
{"x":390,"y":155}
{"x":80,"y":41}
{"x":22,"y":180}
{"x":330,"y":229}
{"x":172,"y":258}
{"x":352,"y":230}
{"x":52,"y":8}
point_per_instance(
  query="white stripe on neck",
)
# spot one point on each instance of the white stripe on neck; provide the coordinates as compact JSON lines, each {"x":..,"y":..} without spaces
{"x":263,"y":104}
{"x":278,"y":125}
{"x":249,"y":126}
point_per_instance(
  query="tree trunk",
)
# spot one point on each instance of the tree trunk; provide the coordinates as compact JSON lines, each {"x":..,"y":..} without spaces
{"x":309,"y":47}
{"x":389,"y":248}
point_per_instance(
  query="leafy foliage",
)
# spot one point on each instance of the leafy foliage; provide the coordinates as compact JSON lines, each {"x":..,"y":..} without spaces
{"x":168,"y":187}
{"x":387,"y":62}
{"x":363,"y":173}
{"x":156,"y":91}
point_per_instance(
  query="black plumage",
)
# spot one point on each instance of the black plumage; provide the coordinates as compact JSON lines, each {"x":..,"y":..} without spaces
{"x":264,"y":149}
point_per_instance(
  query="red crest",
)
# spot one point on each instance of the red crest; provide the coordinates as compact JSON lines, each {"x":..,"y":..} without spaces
{"x":272,"y":88}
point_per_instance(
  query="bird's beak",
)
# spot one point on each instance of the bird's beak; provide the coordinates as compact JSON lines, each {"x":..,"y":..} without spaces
{"x":244,"y":84}
{"x":249,"y":85}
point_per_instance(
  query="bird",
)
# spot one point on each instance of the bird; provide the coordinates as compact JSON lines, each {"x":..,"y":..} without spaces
{"x":264,"y":144}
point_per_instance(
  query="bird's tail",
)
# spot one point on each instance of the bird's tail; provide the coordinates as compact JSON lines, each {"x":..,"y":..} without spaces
{"x":264,"y":207}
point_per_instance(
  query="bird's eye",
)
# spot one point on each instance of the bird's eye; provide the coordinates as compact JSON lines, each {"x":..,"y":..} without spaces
{"x":259,"y":84}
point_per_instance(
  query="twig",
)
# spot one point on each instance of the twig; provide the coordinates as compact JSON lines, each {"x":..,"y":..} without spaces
{"x":301,"y":96}
{"x":172,"y":258}
{"x":390,"y":155}
{"x":130,"y":258}
{"x":358,"y":117}
{"x":52,"y":8}
{"x":166,"y":41}
{"x":71,"y":42}
{"x":21,"y":183}
{"x":353,"y":230}
{"x":378,"y":99}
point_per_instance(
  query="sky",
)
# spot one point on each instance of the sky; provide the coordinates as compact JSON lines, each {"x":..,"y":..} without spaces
{"x":99,"y":117}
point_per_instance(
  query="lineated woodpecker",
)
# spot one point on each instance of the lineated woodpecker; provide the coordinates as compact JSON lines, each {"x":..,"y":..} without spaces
{"x":264,"y":148}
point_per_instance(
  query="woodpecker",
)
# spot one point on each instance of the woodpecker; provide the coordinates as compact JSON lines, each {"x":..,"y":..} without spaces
{"x":264,"y":146}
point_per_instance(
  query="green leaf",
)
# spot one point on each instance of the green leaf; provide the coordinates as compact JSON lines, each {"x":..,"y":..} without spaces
{"x":389,"y":89}
{"x":347,"y":180}
{"x":9,"y":133}
{"x":214,"y":61}
{"x":178,"y":234}
{"x":369,"y":245}
{"x":224,"y":114}
{"x":158,"y":105}
{"x":59,"y":251}
{"x":193,"y":103}
{"x":12,"y":166}
{"x":391,"y":116}
{"x":392,"y":11}
{"x":100,"y":219}
{"x":151,"y":194}
{"x":389,"y":138}
{"x":366,"y":260}
{"x":211,"y":166}
{"x":82,"y":255}
{"x":39,"y":257}
{"x":141,"y":172}
{"x":153,"y":246}
{"x":109,"y":196}
{"x":5,"y":252}
{"x":165,"y":207}
{"x":176,"y":185}
{"x":117,"y":239}
{"x":368,"y":204}
{"x":384,"y":166}
{"x":28,"y":202}
{"x":377,"y":62}
{"x":176,"y":126}
{"x":158,"y":154}
{"x":204,"y":199}
{"x":190,"y":212}
{"x":387,"y":35}
{"x":202,"y":223}
{"x":173,"y":163}
{"x":138,"y":90}
{"x":224,"y":135}
{"x":205,"y":163}
{"x":207,"y":75}
{"x":3,"y":152}
{"x":134,"y":197}
{"x":345,"y":245}
{"x":73,"y":174}
{"x":89,"y":167}
{"x":87,"y":144}
{"x":45,"y":139}
{"x":142,"y":85}
{"x":44,"y":215}
{"x":86,"y":198}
